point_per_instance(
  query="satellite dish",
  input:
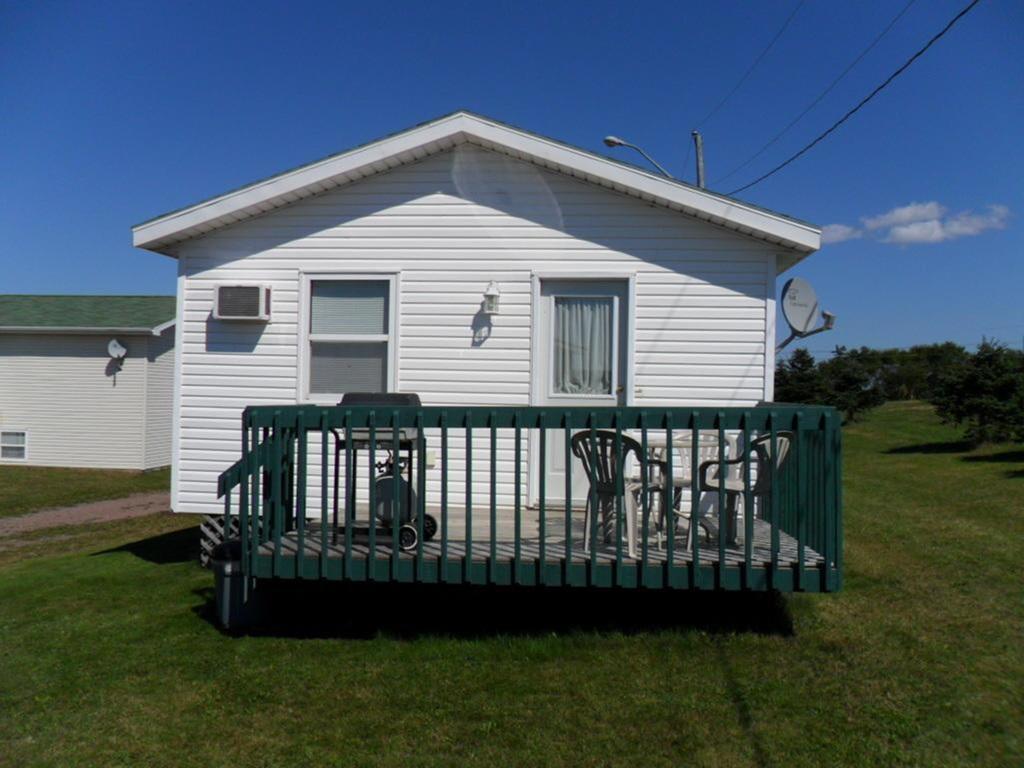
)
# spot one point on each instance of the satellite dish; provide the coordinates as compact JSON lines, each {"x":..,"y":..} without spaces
{"x":116,"y":350}
{"x":801,"y":309}
{"x":799,"y":305}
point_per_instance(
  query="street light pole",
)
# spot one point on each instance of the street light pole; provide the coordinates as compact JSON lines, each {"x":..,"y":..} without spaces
{"x":615,"y":141}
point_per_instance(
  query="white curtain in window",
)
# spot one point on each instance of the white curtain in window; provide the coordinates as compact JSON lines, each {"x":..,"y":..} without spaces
{"x":583,"y":345}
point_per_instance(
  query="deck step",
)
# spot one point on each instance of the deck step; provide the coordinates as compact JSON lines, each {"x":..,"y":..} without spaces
{"x":211,"y":533}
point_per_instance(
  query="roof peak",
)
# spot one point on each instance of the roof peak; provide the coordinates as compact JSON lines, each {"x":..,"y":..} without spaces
{"x":445,"y":132}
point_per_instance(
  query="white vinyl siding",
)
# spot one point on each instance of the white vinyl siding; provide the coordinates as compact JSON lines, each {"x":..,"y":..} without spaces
{"x":448,"y":226}
{"x":159,"y":400}
{"x":79,"y":410}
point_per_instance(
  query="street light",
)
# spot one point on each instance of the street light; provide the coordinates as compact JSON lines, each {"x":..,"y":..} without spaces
{"x":615,"y":141}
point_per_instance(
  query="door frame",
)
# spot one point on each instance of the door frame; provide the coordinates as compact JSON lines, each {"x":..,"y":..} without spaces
{"x":537,"y":385}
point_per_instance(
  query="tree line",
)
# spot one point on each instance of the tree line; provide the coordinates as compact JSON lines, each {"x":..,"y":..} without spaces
{"x":980,"y":391}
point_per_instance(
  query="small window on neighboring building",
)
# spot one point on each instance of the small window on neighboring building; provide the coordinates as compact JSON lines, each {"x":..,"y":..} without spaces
{"x":13,"y":445}
{"x":350,"y":336}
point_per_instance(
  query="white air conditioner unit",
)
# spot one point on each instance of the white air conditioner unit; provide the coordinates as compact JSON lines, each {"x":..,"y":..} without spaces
{"x":242,"y":302}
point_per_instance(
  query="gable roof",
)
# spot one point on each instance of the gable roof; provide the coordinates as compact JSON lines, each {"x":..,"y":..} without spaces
{"x":84,"y":314}
{"x":161,"y":233}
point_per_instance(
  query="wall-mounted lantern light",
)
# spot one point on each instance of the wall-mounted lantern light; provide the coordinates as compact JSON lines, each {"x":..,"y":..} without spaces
{"x":491,"y":297}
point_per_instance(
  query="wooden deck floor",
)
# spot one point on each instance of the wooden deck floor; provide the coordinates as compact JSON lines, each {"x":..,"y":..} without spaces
{"x":555,"y":550}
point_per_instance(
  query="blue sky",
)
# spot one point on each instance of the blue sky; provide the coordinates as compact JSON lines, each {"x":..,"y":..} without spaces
{"x":112,"y":113}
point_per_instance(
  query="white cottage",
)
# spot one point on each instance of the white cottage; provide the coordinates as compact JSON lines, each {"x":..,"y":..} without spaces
{"x":380,"y":268}
{"x":66,"y":400}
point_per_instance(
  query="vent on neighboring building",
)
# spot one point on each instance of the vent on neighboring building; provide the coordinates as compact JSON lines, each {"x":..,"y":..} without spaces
{"x":242,"y":302}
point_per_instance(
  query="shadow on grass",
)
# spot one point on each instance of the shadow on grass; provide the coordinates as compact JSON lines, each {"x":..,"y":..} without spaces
{"x":1015,"y":456}
{"x":408,"y":611}
{"x":1003,"y":457}
{"x":744,"y":714}
{"x":172,"y":547}
{"x":957,"y":446}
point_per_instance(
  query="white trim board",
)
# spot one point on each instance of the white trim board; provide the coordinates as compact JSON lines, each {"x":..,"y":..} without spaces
{"x":160,"y":234}
{"x":179,"y":354}
{"x":87,"y":330}
{"x":538,"y":372}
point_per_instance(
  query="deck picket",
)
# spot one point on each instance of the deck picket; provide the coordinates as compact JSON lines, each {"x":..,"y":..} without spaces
{"x":444,"y":496}
{"x":493,"y":492}
{"x":748,"y":501}
{"x":324,"y":498}
{"x":518,"y":496}
{"x":645,"y":502}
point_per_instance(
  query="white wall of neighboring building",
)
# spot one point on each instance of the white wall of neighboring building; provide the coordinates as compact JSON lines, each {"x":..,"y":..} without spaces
{"x":77,"y":409}
{"x":448,"y":225}
{"x":159,"y":399}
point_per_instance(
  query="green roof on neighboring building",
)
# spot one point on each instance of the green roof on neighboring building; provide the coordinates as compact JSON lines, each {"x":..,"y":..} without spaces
{"x":81,"y":312}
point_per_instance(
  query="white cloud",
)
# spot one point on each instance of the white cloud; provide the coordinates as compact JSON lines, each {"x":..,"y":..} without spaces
{"x":968,"y":223}
{"x":918,"y":232}
{"x":919,"y":223}
{"x":837,"y":233}
{"x":907,"y":214}
{"x":965,"y":224}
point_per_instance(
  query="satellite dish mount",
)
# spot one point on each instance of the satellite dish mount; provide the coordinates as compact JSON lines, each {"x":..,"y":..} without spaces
{"x":117,"y":352}
{"x":800,"y":308}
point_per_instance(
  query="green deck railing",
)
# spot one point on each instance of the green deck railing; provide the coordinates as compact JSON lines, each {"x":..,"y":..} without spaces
{"x":285,"y":534}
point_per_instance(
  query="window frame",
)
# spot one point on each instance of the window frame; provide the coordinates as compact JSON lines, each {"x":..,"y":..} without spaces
{"x":306,"y":338}
{"x":23,"y":446}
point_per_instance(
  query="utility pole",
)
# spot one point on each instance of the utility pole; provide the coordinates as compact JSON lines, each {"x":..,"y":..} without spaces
{"x":698,"y":142}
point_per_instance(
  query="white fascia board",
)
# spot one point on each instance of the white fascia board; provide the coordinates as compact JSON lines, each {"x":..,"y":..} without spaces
{"x":156,"y":331}
{"x":460,"y":127}
{"x":293,"y":182}
{"x":77,"y":330}
{"x":696,"y":201}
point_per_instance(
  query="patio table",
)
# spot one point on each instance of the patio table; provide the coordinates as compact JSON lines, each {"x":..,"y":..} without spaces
{"x":682,"y":465}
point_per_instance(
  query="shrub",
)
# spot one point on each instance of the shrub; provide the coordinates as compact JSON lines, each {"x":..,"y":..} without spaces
{"x":985,"y":392}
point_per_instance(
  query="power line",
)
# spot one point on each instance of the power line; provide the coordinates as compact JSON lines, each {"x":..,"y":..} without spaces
{"x":753,"y":66}
{"x":821,"y":96}
{"x":863,"y":101}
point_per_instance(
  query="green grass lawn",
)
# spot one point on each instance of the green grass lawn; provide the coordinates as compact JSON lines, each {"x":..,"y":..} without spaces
{"x":28,"y":489}
{"x":109,"y":656}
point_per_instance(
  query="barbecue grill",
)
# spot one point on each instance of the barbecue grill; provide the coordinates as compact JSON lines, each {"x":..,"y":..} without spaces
{"x":404,"y":529}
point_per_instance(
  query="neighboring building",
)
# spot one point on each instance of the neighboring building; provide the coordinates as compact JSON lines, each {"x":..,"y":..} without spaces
{"x":66,"y":400}
{"x":368,"y":271}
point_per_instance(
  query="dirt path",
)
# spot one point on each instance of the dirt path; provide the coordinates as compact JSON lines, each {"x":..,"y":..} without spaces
{"x":94,"y":512}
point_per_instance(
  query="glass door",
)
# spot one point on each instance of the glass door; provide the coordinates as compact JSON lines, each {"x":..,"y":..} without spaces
{"x":583,"y":331}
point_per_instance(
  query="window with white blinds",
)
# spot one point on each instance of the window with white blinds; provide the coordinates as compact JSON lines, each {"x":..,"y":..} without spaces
{"x":350,"y":336}
{"x":13,"y":445}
